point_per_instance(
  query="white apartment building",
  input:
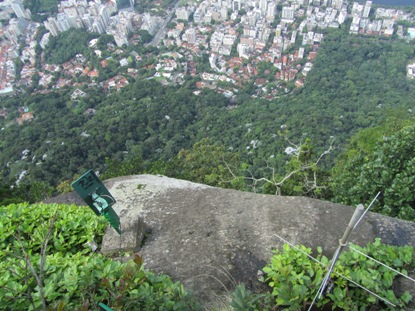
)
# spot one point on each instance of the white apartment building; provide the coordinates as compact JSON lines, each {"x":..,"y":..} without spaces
{"x":17,"y":26}
{"x":98,"y":27}
{"x":191,"y":35}
{"x":263,"y":6}
{"x":52,"y":26}
{"x":18,"y":8}
{"x":288,"y":14}
{"x":229,"y":39}
{"x":87,"y":21}
{"x":236,"y":5}
{"x":71,"y":10}
{"x":198,"y":16}
{"x":224,"y":13}
{"x":62,"y":22}
{"x":271,"y":11}
{"x":367,"y":8}
{"x":337,"y":4}
{"x":182,"y":13}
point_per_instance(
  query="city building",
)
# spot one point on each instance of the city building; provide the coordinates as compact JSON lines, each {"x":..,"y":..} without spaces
{"x":271,"y":11}
{"x":182,"y":13}
{"x":191,"y":35}
{"x":198,"y":16}
{"x":18,"y":8}
{"x":52,"y":26}
{"x":263,"y":6}
{"x":337,"y":4}
{"x":288,"y":14}
{"x":366,"y":9}
{"x":98,"y":27}
{"x":236,"y":5}
{"x":62,"y":22}
{"x":17,"y":26}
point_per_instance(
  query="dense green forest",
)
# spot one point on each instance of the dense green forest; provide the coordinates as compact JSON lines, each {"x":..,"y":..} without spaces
{"x":356,"y":83}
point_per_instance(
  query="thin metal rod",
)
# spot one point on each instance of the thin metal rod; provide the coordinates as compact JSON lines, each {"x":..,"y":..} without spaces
{"x":377,"y":261}
{"x":354,"y":221}
{"x":342,"y":243}
{"x":327,"y":276}
{"x":324,"y":283}
{"x":120,"y":243}
{"x":315,"y":297}
{"x":370,"y":205}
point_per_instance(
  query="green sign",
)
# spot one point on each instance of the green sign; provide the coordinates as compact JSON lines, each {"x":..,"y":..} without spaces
{"x":89,"y":184}
{"x":104,"y":307}
{"x":97,"y":196}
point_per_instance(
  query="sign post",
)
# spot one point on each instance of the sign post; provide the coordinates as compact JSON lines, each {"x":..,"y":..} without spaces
{"x":90,"y":188}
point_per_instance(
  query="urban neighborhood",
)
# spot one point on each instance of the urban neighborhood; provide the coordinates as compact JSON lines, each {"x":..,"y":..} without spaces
{"x":265,"y":47}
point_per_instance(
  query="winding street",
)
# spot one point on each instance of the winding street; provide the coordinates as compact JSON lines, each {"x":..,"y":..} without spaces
{"x":161,"y":31}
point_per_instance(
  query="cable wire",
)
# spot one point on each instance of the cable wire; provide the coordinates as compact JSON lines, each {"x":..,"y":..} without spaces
{"x":369,"y":291}
{"x":364,"y":214}
{"x":377,"y":261}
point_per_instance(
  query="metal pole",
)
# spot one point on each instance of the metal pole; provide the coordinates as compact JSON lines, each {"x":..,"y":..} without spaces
{"x":342,"y":243}
{"x":368,"y":208}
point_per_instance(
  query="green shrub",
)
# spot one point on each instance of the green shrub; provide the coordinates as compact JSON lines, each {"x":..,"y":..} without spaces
{"x":295,"y":278}
{"x":74,"y":226}
{"x":67,"y":274}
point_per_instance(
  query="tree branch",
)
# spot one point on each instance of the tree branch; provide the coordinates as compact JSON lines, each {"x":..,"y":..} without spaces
{"x":309,"y":185}
{"x":38,"y":277}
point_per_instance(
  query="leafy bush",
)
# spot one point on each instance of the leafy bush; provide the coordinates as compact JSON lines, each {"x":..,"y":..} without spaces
{"x":295,"y":278}
{"x":64,"y":273}
{"x":26,"y":225}
{"x":389,"y":168}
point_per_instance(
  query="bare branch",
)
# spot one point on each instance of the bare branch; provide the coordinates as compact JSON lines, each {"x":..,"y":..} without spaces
{"x":14,"y":272}
{"x":309,"y":185}
{"x":33,"y":271}
{"x":38,"y":277}
{"x":16,"y":291}
{"x":291,"y":143}
{"x":228,"y":167}
{"x":45,"y":246}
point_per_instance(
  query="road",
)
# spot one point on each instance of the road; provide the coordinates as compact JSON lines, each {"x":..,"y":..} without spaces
{"x":161,"y":31}
{"x":3,"y":73}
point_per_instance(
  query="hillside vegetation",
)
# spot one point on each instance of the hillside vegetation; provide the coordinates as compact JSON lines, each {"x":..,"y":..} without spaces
{"x":50,"y":260}
{"x":356,"y":83}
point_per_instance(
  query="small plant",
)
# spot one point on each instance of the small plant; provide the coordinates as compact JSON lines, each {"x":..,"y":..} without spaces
{"x":295,"y":278}
{"x":141,"y":186}
{"x":244,"y":300}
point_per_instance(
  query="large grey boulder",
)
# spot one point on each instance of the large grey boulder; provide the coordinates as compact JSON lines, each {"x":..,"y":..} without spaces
{"x":210,"y":239}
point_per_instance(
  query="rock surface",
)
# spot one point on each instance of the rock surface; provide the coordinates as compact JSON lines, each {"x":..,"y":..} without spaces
{"x":211,"y":239}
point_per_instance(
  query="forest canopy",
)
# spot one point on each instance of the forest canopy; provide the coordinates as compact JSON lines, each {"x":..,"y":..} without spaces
{"x":66,"y":45}
{"x":356,"y":83}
